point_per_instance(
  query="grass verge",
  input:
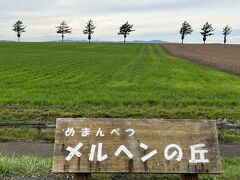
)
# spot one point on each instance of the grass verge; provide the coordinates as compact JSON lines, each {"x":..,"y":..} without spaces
{"x":34,"y":166}
{"x":48,"y":135}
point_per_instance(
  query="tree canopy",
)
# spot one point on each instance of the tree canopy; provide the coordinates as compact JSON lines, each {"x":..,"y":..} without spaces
{"x":185,"y":29}
{"x":89,"y":30}
{"x":226,"y":31}
{"x":125,"y":30}
{"x":63,"y":29}
{"x":19,"y":28}
{"x":207,"y":30}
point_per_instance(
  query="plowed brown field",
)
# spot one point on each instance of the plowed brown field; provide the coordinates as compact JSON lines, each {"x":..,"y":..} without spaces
{"x":222,"y":57}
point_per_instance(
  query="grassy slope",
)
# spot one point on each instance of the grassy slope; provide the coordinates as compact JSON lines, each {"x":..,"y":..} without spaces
{"x":109,"y":80}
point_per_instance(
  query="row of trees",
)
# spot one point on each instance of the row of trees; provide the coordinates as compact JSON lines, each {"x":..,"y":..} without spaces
{"x":206,"y":30}
{"x":126,"y":29}
{"x":63,"y":29}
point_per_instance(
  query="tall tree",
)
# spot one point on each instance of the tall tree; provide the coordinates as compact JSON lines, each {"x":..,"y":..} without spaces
{"x":185,"y":30}
{"x":207,"y":30}
{"x":226,"y":31}
{"x":63,"y":29}
{"x":89,"y":30}
{"x":19,"y":28}
{"x":125,"y":30}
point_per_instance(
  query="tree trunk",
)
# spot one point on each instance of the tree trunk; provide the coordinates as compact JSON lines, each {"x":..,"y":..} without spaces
{"x":204,"y":39}
{"x":124,"y":40}
{"x":18,"y":35}
{"x":225,"y":39}
{"x":89,"y":37}
{"x":182,"y":38}
{"x":62,"y":37}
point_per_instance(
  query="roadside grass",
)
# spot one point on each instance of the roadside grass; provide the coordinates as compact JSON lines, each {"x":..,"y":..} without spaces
{"x":50,"y":113}
{"x":24,"y":166}
{"x":34,"y":166}
{"x":229,"y":136}
{"x":26,"y":134}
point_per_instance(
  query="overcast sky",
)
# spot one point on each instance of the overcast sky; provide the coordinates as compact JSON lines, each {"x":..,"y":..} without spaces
{"x":152,"y":19}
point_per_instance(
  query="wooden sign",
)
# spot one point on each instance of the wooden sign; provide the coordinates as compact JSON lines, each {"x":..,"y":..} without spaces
{"x":136,"y":145}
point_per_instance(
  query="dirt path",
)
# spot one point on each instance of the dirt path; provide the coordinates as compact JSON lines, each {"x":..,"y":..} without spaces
{"x":222,"y":57}
{"x":46,"y":149}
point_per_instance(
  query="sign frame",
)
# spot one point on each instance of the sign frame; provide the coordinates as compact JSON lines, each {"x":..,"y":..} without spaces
{"x":199,"y":128}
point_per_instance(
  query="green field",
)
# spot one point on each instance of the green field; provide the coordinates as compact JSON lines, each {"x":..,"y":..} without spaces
{"x":52,"y":80}
{"x":49,"y":80}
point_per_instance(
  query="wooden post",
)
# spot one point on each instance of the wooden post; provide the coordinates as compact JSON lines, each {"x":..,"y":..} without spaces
{"x":39,"y":131}
{"x":82,"y":176}
{"x":189,"y":177}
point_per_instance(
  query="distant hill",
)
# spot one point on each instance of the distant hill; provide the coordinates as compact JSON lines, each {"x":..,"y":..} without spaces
{"x":96,"y":41}
{"x":135,"y":41}
{"x":6,"y":41}
{"x":67,"y":40}
{"x":151,"y":42}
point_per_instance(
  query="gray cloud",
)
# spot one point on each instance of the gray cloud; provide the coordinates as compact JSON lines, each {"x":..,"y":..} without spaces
{"x":152,"y":18}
